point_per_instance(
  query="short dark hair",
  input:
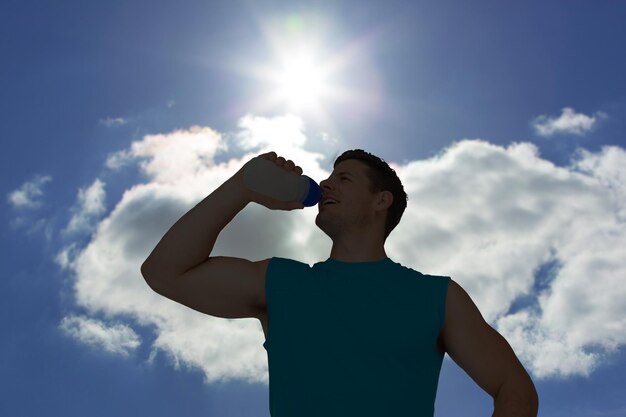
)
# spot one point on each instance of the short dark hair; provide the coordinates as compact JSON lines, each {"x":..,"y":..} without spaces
{"x":381,"y":178}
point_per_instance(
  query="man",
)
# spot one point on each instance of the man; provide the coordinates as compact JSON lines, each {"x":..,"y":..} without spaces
{"x":356,"y":335}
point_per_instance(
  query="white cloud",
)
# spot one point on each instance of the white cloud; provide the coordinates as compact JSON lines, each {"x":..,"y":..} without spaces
{"x":179,"y":156}
{"x":65,"y":257}
{"x":117,"y":160}
{"x":275,"y":132}
{"x":608,"y":167}
{"x":113,"y":121}
{"x":118,"y":338}
{"x":284,"y":134}
{"x":25,"y":197}
{"x":490,"y":216}
{"x":568,"y":122}
{"x":486,"y":215}
{"x":90,"y":204}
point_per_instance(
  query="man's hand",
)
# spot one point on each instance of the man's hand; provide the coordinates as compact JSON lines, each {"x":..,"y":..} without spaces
{"x":269,"y":202}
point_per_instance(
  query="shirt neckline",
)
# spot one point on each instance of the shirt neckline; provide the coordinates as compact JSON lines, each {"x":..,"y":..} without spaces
{"x":337,"y":262}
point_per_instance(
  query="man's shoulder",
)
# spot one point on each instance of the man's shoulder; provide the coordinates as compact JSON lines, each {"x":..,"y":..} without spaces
{"x":286,"y":265}
{"x":280,"y":259}
{"x":430,"y":277}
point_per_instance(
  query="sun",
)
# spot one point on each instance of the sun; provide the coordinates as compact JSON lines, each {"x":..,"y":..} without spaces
{"x":301,"y":81}
{"x":299,"y":77}
{"x":301,"y":68}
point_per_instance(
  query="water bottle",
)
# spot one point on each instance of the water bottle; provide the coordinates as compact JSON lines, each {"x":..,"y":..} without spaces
{"x":265,"y":177}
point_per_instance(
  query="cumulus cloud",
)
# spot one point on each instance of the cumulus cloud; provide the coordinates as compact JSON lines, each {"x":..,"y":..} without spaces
{"x":119,"y":338}
{"x":491,"y":217}
{"x":569,"y":122}
{"x":274,"y":132}
{"x":177,"y":157}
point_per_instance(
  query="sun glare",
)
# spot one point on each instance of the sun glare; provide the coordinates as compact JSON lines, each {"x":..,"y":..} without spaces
{"x":301,"y":75}
{"x":300,"y":82}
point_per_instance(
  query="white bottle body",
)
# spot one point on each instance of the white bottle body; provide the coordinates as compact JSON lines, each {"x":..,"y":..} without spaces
{"x":267,"y":178}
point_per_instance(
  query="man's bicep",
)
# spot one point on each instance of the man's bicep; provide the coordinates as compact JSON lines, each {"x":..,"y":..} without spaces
{"x":473,"y":344}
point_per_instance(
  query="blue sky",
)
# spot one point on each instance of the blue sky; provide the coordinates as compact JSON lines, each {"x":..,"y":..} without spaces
{"x":505,"y":122}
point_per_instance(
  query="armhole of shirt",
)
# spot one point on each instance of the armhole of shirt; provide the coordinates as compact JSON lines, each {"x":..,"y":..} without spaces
{"x":444,"y":300}
{"x":269,"y":289}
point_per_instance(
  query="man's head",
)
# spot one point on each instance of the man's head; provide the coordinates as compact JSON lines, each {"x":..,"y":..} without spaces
{"x":368,"y":191}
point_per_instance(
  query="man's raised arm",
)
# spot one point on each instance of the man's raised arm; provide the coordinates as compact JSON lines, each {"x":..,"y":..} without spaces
{"x":191,"y":239}
{"x":179,"y":266}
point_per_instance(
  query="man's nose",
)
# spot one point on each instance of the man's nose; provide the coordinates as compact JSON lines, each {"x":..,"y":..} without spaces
{"x":326,"y":184}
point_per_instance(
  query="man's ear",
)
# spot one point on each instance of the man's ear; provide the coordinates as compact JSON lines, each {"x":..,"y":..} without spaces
{"x":385,"y":199}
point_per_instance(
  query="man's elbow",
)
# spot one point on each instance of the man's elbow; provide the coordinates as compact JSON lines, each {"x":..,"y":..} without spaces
{"x":517,"y":397}
{"x":151,"y":278}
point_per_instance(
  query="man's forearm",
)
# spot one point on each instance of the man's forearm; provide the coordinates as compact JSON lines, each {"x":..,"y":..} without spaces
{"x":190,"y":240}
{"x":516,"y":398}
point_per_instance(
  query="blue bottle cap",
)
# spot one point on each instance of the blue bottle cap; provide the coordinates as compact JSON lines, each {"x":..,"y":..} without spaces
{"x":314,"y":195}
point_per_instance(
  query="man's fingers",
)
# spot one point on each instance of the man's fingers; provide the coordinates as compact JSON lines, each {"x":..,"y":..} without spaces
{"x":288,"y":164}
{"x":271,"y":156}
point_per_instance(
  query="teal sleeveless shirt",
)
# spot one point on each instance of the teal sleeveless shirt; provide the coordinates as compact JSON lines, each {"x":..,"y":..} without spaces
{"x":352,"y":338}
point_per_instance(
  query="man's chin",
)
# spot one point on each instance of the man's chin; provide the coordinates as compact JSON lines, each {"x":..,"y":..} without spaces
{"x":323,"y":225}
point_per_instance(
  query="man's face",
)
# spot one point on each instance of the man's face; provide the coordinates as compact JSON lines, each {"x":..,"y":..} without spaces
{"x":348,"y":185}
